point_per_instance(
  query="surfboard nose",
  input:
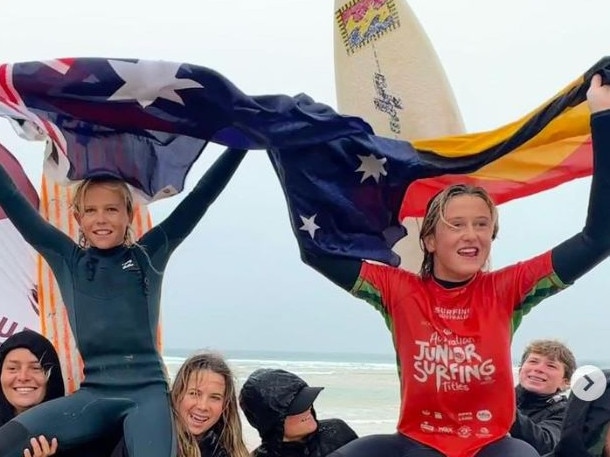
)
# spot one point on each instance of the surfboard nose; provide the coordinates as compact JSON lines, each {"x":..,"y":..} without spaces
{"x":387,"y":71}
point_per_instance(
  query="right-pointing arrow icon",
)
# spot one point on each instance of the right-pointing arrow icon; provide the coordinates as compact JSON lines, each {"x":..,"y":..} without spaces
{"x":588,"y":383}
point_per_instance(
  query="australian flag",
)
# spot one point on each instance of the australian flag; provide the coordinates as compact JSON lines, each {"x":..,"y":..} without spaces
{"x":148,"y":121}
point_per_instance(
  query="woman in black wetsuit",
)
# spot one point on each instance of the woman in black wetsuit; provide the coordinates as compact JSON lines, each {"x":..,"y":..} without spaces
{"x":111,"y":287}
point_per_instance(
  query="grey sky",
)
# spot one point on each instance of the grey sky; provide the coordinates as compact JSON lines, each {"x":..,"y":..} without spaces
{"x":237,"y":282}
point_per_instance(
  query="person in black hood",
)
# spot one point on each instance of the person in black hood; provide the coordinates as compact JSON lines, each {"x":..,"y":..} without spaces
{"x":30,"y":374}
{"x":544,"y":374}
{"x":586,"y":427}
{"x":279,"y":405}
{"x":43,"y":376}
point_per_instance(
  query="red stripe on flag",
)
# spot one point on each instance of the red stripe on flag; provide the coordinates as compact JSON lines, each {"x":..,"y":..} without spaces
{"x":67,"y":60}
{"x":7,"y":87}
{"x":578,"y":164}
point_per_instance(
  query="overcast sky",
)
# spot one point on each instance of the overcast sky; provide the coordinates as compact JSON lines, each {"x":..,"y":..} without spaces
{"x":237,"y":282}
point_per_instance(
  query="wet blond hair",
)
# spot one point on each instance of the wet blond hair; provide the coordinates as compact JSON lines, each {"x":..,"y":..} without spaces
{"x":435,"y":213}
{"x":78,"y":203}
{"x":228,"y":427}
{"x":554,"y":350}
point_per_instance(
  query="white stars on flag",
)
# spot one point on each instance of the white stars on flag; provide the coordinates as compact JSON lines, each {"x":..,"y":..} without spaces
{"x":147,"y":80}
{"x":371,"y":166}
{"x":309,"y":225}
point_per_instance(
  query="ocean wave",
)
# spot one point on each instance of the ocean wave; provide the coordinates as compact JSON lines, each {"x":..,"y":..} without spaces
{"x":303,"y":367}
{"x":313,"y":364}
{"x":372,"y":421}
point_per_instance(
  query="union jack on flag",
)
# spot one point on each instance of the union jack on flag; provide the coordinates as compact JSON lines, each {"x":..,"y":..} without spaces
{"x":148,"y":121}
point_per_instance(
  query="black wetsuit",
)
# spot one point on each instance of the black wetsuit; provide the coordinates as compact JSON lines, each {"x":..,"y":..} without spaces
{"x":113,"y":298}
{"x":570,"y":260}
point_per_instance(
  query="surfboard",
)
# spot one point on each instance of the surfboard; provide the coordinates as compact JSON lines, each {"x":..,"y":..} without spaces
{"x":55,"y":207}
{"x":388,"y":73}
{"x":19,"y":307}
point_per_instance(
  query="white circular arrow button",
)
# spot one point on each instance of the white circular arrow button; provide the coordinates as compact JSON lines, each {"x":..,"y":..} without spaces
{"x":588,"y":383}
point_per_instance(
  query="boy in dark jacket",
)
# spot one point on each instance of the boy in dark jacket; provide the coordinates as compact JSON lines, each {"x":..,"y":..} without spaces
{"x":544,"y":374}
{"x":586,"y":427}
{"x":279,"y":405}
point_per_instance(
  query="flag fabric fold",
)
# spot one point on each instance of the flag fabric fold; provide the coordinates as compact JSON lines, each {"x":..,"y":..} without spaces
{"x":547,"y":147}
{"x":348,"y":198}
{"x":148,"y":121}
{"x":346,"y":189}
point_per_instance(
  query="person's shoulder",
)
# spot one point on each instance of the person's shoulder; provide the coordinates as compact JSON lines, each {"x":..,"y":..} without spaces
{"x":379,"y":270}
{"x":210,"y":445}
{"x":561,"y":399}
{"x":336,"y":427}
{"x":541,"y":263}
{"x":333,"y":423}
{"x":260,"y":451}
{"x":558,"y":404}
{"x":334,"y":433}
